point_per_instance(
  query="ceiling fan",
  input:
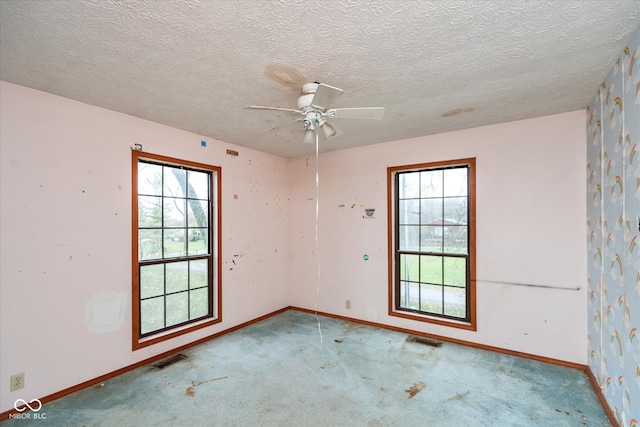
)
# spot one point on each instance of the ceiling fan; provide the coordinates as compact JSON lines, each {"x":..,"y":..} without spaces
{"x":313,"y":104}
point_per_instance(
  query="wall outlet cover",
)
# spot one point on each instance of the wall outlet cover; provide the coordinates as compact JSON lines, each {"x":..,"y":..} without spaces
{"x":17,"y":381}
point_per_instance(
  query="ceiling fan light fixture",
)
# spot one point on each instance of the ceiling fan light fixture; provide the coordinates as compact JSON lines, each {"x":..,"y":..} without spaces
{"x":309,"y":136}
{"x":328,"y":130}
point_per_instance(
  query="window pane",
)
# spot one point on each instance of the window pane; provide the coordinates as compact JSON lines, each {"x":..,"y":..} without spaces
{"x":197,"y":244}
{"x":198,"y":187}
{"x":177,"y":308}
{"x":409,"y":212}
{"x":455,"y":210}
{"x":431,"y":269}
{"x":455,"y":239}
{"x":403,"y":294}
{"x":198,"y":271}
{"x":174,"y":243}
{"x":409,"y":185}
{"x":149,"y":211}
{"x":455,"y":271}
{"x":409,"y":238}
{"x":404,"y":274}
{"x":177,"y":276}
{"x":455,"y":182}
{"x":151,"y":280}
{"x":197,"y":213}
{"x":431,"y":238}
{"x":175,"y":181}
{"x":431,"y":299}
{"x":149,"y":179}
{"x":431,"y":183}
{"x":454,"y":302}
{"x":411,"y":295}
{"x":174,"y":212}
{"x":151,"y":314}
{"x":409,"y":267}
{"x":149,"y":244}
{"x":431,"y":211}
{"x":199,"y":303}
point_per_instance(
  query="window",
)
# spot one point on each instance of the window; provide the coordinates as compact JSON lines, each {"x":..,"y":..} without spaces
{"x":176,"y":247}
{"x":432,"y":242}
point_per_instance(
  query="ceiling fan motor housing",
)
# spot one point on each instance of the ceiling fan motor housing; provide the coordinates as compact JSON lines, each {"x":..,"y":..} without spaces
{"x":311,"y":118}
{"x":308,"y":92}
{"x":304,"y":102}
{"x":309,"y":88}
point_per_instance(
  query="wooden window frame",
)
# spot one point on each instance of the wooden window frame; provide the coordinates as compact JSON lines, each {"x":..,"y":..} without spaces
{"x":393,"y":297}
{"x":215,"y":270}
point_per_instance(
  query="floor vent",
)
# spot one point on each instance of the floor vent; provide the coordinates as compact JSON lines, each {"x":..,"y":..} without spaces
{"x":170,"y":361}
{"x":422,"y":340}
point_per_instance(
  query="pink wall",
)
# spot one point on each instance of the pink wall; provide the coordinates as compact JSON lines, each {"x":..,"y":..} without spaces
{"x":65,"y":220}
{"x":66,"y":231}
{"x":530,"y":229}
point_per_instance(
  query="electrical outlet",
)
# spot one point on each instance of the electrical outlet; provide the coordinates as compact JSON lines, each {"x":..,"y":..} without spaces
{"x":17,"y":381}
{"x":348,"y":304}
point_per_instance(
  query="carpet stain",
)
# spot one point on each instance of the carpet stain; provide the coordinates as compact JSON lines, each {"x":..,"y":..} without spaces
{"x":415,"y":389}
{"x":191,"y":391}
{"x":459,"y":396}
{"x":212,"y":379}
{"x":352,"y":327}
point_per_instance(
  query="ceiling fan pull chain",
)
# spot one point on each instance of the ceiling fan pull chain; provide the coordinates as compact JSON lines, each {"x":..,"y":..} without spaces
{"x":315,"y":127}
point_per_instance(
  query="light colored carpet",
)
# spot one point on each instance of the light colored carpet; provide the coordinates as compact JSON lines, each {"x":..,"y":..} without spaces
{"x":278,"y":373}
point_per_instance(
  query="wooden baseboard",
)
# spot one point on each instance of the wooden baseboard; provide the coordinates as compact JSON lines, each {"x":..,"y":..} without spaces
{"x":451,"y":340}
{"x":5,"y":415}
{"x":603,"y":400}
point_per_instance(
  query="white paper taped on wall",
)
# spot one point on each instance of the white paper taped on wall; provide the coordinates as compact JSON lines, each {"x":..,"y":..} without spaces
{"x":105,"y":312}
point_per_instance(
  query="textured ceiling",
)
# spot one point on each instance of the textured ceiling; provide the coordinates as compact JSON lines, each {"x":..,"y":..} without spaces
{"x":435,"y":66}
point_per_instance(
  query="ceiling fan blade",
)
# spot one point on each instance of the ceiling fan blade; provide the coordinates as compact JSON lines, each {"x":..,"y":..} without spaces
{"x":325,"y":95}
{"x":259,"y":107}
{"x":370,"y":113}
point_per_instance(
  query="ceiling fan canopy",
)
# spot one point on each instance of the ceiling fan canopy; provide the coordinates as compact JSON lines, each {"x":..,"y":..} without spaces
{"x":313,"y":105}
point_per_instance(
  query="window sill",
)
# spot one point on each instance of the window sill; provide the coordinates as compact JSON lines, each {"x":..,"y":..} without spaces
{"x":469,"y":326}
{"x":139,"y":343}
